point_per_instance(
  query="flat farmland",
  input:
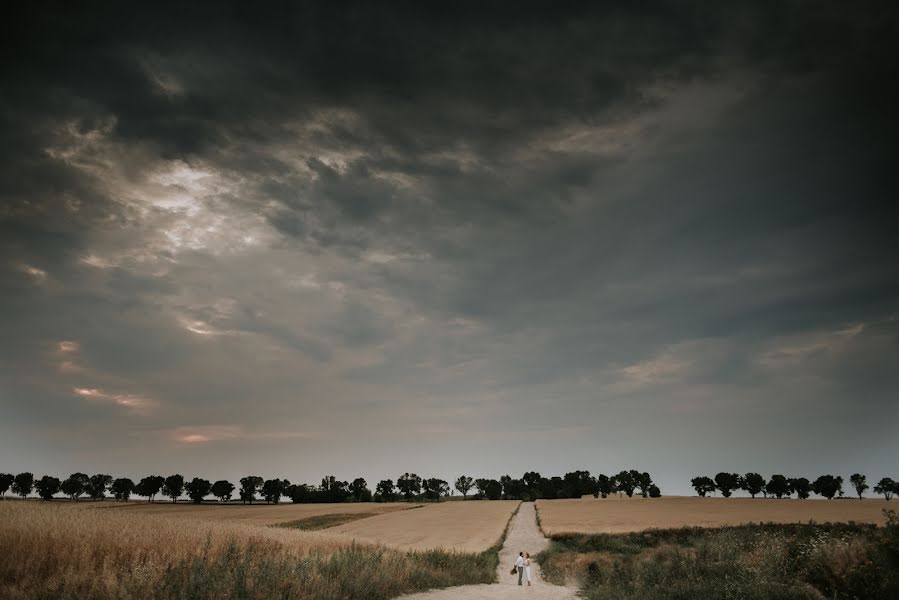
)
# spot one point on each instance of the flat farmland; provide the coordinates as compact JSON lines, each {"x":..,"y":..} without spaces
{"x":251,"y":514}
{"x":466,"y":526}
{"x":621,"y":515}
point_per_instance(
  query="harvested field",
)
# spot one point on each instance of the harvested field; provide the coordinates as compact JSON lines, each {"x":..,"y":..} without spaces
{"x":254,"y":514}
{"x":621,"y":515}
{"x":469,"y":526}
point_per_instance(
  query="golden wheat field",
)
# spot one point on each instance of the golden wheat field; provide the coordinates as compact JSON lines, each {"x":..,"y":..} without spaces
{"x":469,"y":526}
{"x":255,"y":514}
{"x":58,"y":550}
{"x":620,"y":515}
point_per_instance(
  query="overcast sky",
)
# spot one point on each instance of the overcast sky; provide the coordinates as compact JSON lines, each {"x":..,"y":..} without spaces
{"x":300,"y":241}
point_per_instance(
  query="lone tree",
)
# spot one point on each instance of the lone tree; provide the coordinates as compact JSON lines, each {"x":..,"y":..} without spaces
{"x":6,"y":480}
{"x":626,"y":482}
{"x":859,"y":482}
{"x":384,"y":491}
{"x":149,"y":487}
{"x":727,"y":483}
{"x":121,"y":488}
{"x":222,"y":490}
{"x":249,"y":487}
{"x":828,"y":486}
{"x":409,"y":485}
{"x":197,"y":489}
{"x":703,"y":485}
{"x":173,"y":486}
{"x":22,"y":484}
{"x":75,"y":485}
{"x":779,"y":486}
{"x":46,"y":487}
{"x":887,"y":487}
{"x":753,"y":483}
{"x":96,"y":487}
{"x":464,"y":484}
{"x":801,"y":486}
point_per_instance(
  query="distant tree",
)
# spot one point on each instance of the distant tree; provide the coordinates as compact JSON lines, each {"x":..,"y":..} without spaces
{"x":493,"y":489}
{"x":222,"y":490}
{"x":249,"y":487}
{"x":827,"y":486}
{"x":359,"y":490}
{"x":531,"y":481}
{"x":626,"y":483}
{"x":505,"y":481}
{"x":75,"y":485}
{"x":173,"y":486}
{"x":47,"y":487}
{"x":753,"y":483}
{"x":149,"y":486}
{"x":384,"y":490}
{"x":121,"y":488}
{"x":579,"y":483}
{"x":654,"y":491}
{"x":859,"y":482}
{"x":778,"y":486}
{"x":302,"y":493}
{"x":887,"y":487}
{"x":434,"y":488}
{"x":333,"y":490}
{"x":604,"y":485}
{"x":801,"y":486}
{"x":703,"y":485}
{"x":22,"y":484}
{"x":464,"y":485}
{"x":273,"y":489}
{"x":97,"y":485}
{"x":727,"y":483}
{"x":409,"y":485}
{"x":643,"y":481}
{"x":196,"y":489}
{"x":6,"y":480}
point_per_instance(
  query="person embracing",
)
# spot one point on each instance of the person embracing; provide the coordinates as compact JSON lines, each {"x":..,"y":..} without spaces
{"x":527,"y":566}
{"x":519,"y":565}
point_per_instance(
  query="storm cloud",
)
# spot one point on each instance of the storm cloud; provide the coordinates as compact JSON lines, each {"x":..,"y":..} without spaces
{"x":299,"y":239}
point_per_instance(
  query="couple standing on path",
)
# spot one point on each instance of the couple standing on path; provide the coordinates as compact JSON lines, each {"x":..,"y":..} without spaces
{"x":523,"y":566}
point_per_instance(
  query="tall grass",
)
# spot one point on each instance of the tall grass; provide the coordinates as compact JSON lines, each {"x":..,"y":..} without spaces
{"x":752,"y":562}
{"x":51,"y":551}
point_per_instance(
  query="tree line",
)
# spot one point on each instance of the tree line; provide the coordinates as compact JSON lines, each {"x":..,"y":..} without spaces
{"x":780,"y":486}
{"x":408,"y":486}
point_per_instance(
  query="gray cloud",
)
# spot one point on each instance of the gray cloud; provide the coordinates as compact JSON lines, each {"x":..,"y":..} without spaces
{"x":425,"y":240}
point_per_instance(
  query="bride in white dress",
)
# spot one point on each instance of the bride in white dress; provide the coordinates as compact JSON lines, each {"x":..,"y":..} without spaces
{"x":527,"y":566}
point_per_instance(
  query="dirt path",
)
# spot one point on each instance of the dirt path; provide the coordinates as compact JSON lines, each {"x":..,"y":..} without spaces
{"x":523,"y":536}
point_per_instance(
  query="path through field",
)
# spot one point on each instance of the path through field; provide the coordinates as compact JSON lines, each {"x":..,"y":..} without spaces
{"x":523,"y":536}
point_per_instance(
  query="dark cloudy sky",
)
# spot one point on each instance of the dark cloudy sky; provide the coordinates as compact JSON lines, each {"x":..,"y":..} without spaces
{"x":305,"y":240}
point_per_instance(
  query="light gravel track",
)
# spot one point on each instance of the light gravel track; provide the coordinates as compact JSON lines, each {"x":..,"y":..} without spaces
{"x":523,"y":536}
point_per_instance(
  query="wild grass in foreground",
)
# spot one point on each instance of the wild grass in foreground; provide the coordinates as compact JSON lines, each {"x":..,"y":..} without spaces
{"x":324,"y":521}
{"x":747,"y":562}
{"x":50,"y":551}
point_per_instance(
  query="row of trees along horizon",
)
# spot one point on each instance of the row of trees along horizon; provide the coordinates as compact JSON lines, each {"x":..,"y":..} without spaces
{"x":409,"y":486}
{"x":779,"y":486}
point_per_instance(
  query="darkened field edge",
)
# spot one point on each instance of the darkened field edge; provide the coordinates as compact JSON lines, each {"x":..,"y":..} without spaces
{"x":746,"y":562}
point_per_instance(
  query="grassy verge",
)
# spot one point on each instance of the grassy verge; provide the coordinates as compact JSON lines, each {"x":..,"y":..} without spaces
{"x":325,"y":521}
{"x":51,"y":551}
{"x":748,"y":562}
